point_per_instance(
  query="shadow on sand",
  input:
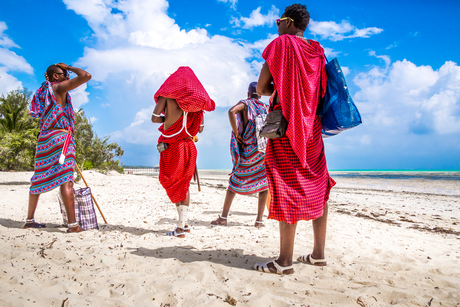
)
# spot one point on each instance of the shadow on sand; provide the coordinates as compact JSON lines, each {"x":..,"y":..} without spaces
{"x":137,"y":231}
{"x":234,"y":258}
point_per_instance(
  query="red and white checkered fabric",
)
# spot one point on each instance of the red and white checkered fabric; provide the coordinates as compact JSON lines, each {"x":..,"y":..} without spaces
{"x":295,"y":164}
{"x":187,"y":90}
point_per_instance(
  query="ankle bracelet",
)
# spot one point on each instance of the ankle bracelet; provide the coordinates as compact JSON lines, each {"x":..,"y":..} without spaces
{"x":30,"y":220}
{"x":72,"y":225}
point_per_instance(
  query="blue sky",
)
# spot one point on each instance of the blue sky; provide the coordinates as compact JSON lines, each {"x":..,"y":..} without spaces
{"x":400,"y":58}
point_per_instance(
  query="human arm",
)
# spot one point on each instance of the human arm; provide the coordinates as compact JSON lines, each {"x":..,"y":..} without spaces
{"x":264,"y":85}
{"x":70,"y":84}
{"x":159,"y":108}
{"x":239,"y":107}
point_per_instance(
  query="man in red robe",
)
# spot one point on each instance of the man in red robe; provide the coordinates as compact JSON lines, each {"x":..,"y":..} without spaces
{"x":298,"y":178}
{"x":182,"y":100}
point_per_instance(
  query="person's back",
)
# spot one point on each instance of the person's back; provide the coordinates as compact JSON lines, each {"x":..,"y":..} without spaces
{"x":183,"y":100}
{"x":248,"y":174}
{"x":172,"y":112}
{"x":295,"y":163}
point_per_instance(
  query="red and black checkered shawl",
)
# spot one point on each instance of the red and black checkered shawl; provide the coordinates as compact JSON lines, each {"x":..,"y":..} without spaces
{"x":296,"y":168}
{"x":177,"y":163}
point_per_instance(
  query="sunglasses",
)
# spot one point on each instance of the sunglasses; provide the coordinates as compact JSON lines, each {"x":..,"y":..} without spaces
{"x":278,"y":21}
{"x":65,"y":73}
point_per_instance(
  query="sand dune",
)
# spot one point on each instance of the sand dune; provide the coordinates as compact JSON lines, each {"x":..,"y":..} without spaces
{"x":388,"y":243}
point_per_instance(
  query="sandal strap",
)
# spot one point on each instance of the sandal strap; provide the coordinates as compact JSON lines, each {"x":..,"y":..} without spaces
{"x":310,"y":259}
{"x":175,"y":233}
{"x":280,"y":269}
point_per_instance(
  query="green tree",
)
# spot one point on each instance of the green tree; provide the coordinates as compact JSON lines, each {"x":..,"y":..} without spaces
{"x":18,"y":131}
{"x":92,"y":151}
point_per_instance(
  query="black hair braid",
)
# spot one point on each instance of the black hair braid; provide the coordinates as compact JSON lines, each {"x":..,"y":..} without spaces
{"x":299,"y":13}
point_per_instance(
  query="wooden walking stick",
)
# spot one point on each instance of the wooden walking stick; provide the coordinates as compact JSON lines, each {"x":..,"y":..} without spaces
{"x":195,"y":174}
{"x":78,"y":169}
{"x":197,"y":179}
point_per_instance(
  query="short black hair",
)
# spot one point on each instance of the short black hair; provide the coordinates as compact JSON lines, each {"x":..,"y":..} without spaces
{"x":299,"y":13}
{"x":53,"y":69}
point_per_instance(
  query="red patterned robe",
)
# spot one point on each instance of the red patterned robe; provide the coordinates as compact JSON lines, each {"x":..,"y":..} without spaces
{"x":177,"y":163}
{"x":298,"y":178}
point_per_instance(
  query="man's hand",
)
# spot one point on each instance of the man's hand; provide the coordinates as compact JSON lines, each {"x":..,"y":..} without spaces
{"x":62,"y":66}
{"x":239,"y":139}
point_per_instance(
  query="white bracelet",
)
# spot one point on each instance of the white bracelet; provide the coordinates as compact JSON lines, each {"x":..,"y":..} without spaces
{"x":156,"y":115}
{"x":202,"y":125}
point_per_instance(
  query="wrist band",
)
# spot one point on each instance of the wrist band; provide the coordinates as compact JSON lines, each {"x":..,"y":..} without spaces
{"x":156,"y":115}
{"x":202,"y":125}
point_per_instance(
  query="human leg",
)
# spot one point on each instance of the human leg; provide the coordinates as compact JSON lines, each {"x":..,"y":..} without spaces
{"x":69,"y":204}
{"x":30,"y":221}
{"x":319,"y":237}
{"x":182,"y":211}
{"x":284,"y":261}
{"x":222,"y":220}
{"x":33,"y":202}
{"x":261,"y":208}
{"x":319,"y":233}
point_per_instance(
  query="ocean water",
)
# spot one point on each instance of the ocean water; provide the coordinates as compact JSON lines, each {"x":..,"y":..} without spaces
{"x":427,"y":175}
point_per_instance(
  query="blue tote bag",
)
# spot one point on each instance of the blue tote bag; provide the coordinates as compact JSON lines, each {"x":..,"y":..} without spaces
{"x":337,"y":109}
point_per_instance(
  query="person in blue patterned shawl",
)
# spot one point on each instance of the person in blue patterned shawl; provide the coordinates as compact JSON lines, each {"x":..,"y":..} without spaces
{"x":248,"y":174}
{"x":53,"y":106}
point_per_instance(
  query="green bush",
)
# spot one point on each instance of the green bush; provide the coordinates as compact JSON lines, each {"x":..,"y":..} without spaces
{"x":19,"y":133}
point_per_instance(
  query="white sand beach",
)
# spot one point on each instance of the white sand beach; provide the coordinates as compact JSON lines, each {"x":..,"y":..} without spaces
{"x":389,"y":242}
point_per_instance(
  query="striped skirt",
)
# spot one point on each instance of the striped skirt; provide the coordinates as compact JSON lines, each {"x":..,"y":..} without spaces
{"x":249,"y":177}
{"x":49,"y":174}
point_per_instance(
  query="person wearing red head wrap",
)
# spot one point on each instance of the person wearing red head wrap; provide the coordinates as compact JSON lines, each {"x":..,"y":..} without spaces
{"x":182,"y":100}
{"x":298,"y":178}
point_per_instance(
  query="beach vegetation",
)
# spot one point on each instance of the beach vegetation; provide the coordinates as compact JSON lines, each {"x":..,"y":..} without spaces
{"x":19,"y":133}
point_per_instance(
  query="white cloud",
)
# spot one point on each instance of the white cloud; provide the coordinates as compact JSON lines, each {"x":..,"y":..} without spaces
{"x":329,"y":52}
{"x":92,"y":120}
{"x":345,"y":70}
{"x":141,"y":131}
{"x":394,"y":45}
{"x":79,"y":96}
{"x":339,"y":31}
{"x":256,"y":19}
{"x":7,"y":82}
{"x":405,"y":98}
{"x":231,"y":2}
{"x":136,"y":60}
{"x":10,"y":61}
{"x":385,"y":58}
{"x":5,"y":41}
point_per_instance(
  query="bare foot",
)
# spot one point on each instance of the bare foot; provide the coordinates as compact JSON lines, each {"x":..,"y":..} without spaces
{"x":220,"y":221}
{"x":259,"y":224}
